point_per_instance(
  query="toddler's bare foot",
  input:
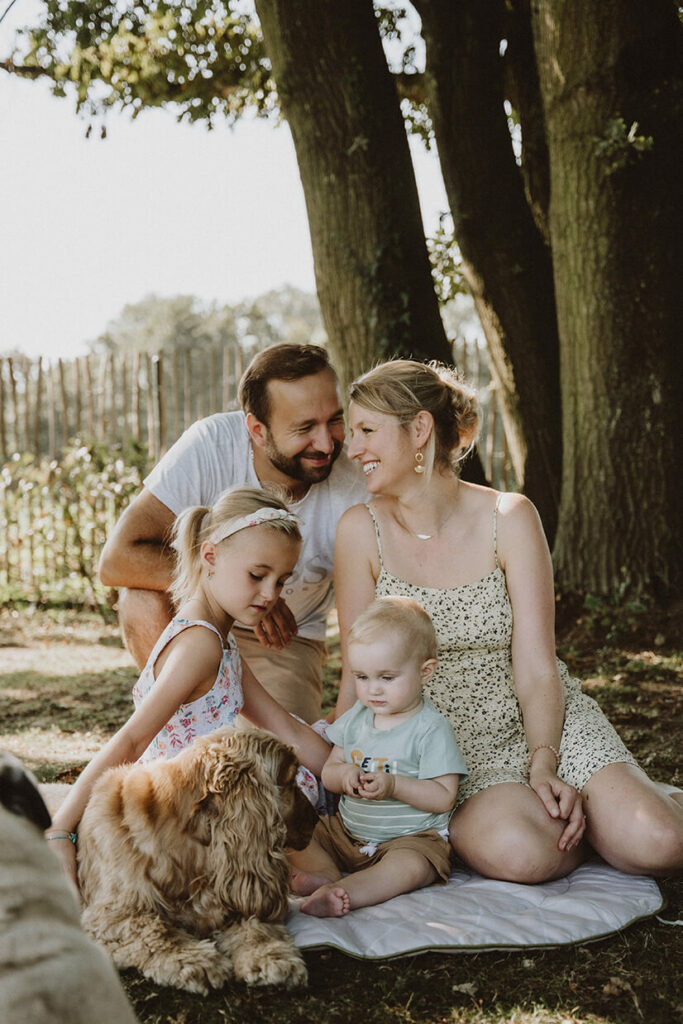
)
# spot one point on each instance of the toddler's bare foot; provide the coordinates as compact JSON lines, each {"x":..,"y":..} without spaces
{"x":328,"y":901}
{"x":306,"y":882}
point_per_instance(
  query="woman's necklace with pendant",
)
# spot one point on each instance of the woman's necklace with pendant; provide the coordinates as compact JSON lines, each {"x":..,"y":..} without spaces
{"x":427,"y":536}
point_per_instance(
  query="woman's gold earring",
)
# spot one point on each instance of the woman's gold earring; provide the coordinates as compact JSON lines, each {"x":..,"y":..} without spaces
{"x":210,"y":573}
{"x":419,"y":459}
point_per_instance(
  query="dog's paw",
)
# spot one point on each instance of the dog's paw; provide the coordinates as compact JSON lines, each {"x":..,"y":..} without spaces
{"x":208,"y":972}
{"x":274,"y":964}
{"x":263,"y":953}
{"x":194,"y":967}
{"x":288,"y":971}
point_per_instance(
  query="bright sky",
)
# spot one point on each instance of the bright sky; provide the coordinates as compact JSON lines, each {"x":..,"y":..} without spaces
{"x":90,"y":225}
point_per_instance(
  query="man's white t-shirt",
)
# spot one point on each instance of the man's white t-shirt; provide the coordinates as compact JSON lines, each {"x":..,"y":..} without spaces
{"x":214,"y":454}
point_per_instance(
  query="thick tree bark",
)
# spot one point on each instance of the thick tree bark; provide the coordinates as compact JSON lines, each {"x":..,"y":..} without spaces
{"x":611,"y":75}
{"x":372,"y":270}
{"x":506,"y":262}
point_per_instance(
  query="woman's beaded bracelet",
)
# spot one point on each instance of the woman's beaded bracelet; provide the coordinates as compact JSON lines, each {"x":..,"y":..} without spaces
{"x":541,"y":746}
{"x":73,"y":836}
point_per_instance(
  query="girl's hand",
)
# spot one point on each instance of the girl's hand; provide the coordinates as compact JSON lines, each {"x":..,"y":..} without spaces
{"x":561,"y":801}
{"x":276,"y":629}
{"x":377,"y":785}
{"x":66,"y":852}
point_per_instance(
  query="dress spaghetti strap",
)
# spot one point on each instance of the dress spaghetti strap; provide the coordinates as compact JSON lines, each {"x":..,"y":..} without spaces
{"x":379,"y":541}
{"x":495,"y":529}
{"x":182,"y":624}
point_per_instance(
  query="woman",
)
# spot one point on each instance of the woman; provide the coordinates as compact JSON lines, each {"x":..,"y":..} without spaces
{"x":546,"y":768}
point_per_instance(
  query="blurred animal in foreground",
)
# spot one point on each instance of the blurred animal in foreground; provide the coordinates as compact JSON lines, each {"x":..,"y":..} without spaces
{"x":182,"y":863}
{"x":51,"y":972}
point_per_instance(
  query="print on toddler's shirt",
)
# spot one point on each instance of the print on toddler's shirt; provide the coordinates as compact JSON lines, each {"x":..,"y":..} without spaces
{"x":367,"y":763}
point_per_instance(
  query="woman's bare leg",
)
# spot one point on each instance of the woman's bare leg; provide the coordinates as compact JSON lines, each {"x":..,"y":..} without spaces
{"x":505,"y":832}
{"x":633,"y":822}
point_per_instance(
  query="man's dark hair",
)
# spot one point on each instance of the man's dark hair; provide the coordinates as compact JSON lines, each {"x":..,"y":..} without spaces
{"x":277,"y":362}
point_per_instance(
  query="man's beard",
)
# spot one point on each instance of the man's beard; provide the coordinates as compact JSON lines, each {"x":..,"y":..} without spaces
{"x":296,"y":466}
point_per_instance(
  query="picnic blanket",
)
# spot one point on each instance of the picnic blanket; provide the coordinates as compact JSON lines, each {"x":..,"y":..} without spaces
{"x":471,"y":913}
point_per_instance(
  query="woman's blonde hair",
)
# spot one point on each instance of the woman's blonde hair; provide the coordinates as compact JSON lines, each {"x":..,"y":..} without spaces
{"x":196,"y":524}
{"x":402,"y":615}
{"x":404,"y":387}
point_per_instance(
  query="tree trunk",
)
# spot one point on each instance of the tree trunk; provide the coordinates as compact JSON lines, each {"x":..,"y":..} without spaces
{"x":612,"y":88}
{"x":523,"y":90}
{"x":372,"y":270}
{"x":506,"y":262}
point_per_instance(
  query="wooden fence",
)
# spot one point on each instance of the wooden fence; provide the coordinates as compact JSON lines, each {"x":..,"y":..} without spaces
{"x":112,"y":398}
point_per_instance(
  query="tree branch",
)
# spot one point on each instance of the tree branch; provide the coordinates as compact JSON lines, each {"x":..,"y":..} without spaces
{"x":23,"y":70}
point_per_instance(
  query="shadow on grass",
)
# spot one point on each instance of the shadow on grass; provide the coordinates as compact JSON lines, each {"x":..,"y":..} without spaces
{"x":100,"y":700}
{"x":56,"y":724}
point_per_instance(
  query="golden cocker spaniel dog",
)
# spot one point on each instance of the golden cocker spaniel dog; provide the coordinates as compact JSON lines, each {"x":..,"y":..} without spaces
{"x":182,"y":863}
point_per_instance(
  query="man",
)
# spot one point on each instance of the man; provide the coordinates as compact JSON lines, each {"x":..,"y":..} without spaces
{"x":290,"y":434}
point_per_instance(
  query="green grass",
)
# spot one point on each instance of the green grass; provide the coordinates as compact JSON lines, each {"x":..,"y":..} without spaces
{"x":65,"y":686}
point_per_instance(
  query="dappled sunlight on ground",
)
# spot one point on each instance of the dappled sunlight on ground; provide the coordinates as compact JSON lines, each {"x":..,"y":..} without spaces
{"x":62,"y":659}
{"x":65,"y":683}
{"x":35,"y":746}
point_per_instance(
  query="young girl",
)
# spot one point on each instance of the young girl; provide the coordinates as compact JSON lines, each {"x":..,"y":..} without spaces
{"x":232,"y":562}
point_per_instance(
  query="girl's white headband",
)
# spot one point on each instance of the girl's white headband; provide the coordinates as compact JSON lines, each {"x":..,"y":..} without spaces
{"x":261,"y":515}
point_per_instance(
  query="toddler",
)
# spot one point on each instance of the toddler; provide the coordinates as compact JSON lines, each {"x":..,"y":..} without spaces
{"x":397,"y":763}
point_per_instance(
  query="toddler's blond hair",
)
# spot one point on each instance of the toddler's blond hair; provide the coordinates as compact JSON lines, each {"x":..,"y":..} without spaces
{"x":401,"y":615}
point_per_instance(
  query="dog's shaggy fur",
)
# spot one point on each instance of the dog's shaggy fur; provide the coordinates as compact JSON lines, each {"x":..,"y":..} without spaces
{"x":182,"y":863}
{"x":51,"y":972}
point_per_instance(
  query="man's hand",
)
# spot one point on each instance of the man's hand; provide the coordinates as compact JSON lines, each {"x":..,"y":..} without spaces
{"x":276,"y":629}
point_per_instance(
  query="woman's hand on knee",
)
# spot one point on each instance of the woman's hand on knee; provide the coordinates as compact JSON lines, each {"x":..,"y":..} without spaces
{"x":563,"y":802}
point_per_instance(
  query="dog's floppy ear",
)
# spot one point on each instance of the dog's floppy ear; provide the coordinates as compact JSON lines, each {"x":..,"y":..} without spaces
{"x":19,"y":792}
{"x":251,"y":869}
{"x":225,"y":760}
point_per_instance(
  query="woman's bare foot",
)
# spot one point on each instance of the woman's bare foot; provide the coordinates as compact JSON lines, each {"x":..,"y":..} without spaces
{"x":306,"y":882}
{"x":327,"y":901}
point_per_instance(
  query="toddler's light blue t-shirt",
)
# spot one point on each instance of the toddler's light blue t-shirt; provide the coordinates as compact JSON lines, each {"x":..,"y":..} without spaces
{"x":423,"y":747}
